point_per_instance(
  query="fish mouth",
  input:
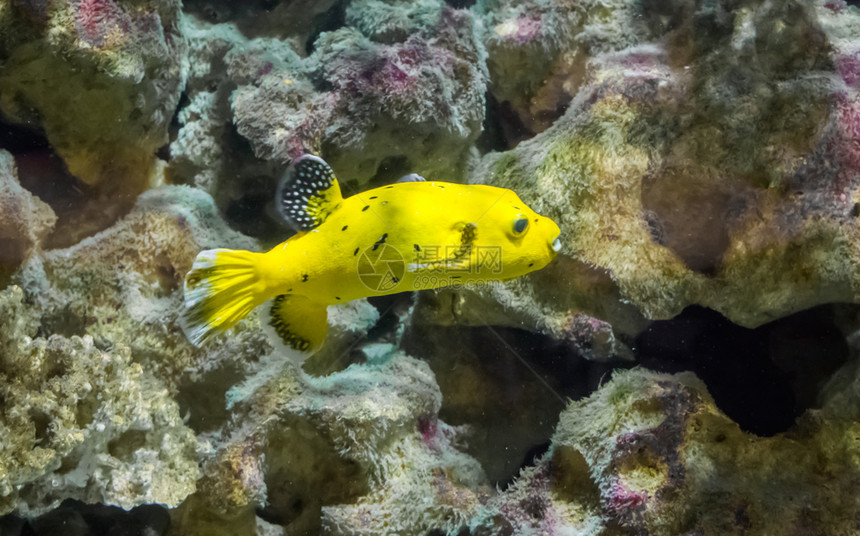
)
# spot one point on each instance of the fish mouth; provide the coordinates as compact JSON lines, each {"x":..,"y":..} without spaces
{"x":556,"y":244}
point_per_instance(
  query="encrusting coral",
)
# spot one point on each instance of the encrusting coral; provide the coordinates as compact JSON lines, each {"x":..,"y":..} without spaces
{"x":81,"y":422}
{"x":24,"y":220}
{"x":360,"y":451}
{"x":670,"y":191}
{"x":381,"y":100}
{"x":692,"y":153}
{"x":651,"y":452}
{"x":100,"y":79}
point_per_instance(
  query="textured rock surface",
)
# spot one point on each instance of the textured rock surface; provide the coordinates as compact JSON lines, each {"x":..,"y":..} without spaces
{"x":360,"y":451}
{"x":80,"y":422}
{"x":101,"y":79}
{"x":24,"y":220}
{"x":651,"y":452}
{"x":123,"y":285}
{"x":681,"y":174}
{"x":538,"y":51}
{"x":378,"y":101}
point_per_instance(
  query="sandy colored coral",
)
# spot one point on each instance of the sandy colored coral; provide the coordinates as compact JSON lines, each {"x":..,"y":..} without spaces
{"x":358,"y":450}
{"x":24,"y":219}
{"x":670,"y":192}
{"x":651,"y":452}
{"x":101,"y":79}
{"x":83,"y":422}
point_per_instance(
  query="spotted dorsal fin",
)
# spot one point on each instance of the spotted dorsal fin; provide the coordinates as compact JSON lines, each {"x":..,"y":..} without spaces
{"x":308,"y":193}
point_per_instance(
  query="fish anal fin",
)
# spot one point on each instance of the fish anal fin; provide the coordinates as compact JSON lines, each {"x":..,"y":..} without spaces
{"x":296,"y":322}
{"x":308,"y":193}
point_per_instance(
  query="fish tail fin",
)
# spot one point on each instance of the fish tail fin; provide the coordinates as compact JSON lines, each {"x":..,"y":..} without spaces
{"x":220,"y":289}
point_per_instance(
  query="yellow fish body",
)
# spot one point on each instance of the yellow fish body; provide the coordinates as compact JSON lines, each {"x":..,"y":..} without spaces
{"x":396,"y":238}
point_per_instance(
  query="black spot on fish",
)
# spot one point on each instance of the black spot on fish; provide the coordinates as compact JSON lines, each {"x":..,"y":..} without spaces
{"x":344,"y":227}
{"x":387,"y":187}
{"x":380,"y":241}
{"x":395,"y":279}
{"x":354,"y":253}
{"x":373,"y":197}
{"x":517,"y":208}
{"x":417,"y":247}
{"x":304,"y":277}
{"x":531,"y":264}
{"x":337,"y":297}
{"x":365,"y":208}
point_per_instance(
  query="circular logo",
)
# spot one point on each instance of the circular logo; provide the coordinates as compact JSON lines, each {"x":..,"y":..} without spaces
{"x":381,"y":267}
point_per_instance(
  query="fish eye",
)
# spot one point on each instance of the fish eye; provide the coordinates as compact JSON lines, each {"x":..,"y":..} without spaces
{"x":520,"y":225}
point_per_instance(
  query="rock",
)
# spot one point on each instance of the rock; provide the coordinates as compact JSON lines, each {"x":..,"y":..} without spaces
{"x":377,"y":102}
{"x":101,"y":79}
{"x":347,"y":453}
{"x":651,"y":452}
{"x":673,"y":192}
{"x":83,"y":423}
{"x":24,"y":220}
{"x":538,"y":52}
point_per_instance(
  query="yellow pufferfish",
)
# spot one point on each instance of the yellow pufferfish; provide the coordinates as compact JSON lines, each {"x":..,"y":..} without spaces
{"x":410,"y":235}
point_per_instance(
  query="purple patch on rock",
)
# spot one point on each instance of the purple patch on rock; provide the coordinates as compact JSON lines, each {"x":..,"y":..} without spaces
{"x":836,"y":6}
{"x":848,"y":68}
{"x":521,"y":30}
{"x":622,"y":499}
{"x":101,"y":21}
{"x":429,"y":429}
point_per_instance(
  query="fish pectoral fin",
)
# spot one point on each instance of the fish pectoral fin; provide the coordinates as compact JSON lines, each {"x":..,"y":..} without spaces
{"x":308,"y":193}
{"x":296,"y":322}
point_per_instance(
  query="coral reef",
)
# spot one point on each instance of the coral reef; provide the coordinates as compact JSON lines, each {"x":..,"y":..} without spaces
{"x":701,"y":160}
{"x":538,"y":52}
{"x":80,"y":422}
{"x":378,"y":101}
{"x":24,"y":220}
{"x":360,"y":451}
{"x":674,"y":191}
{"x":137,"y":267}
{"x":651,"y":452}
{"x":101,"y":79}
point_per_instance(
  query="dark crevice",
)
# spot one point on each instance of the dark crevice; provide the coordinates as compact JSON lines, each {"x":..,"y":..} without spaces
{"x":329,"y":21}
{"x":460,"y":4}
{"x":41,"y":170}
{"x":174,"y":127}
{"x":510,"y":402}
{"x":246,"y":199}
{"x":74,"y":517}
{"x":762,"y":378}
{"x":502,"y":129}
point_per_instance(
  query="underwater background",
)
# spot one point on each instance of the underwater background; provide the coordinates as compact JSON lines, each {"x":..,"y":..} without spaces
{"x":688,"y":363}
